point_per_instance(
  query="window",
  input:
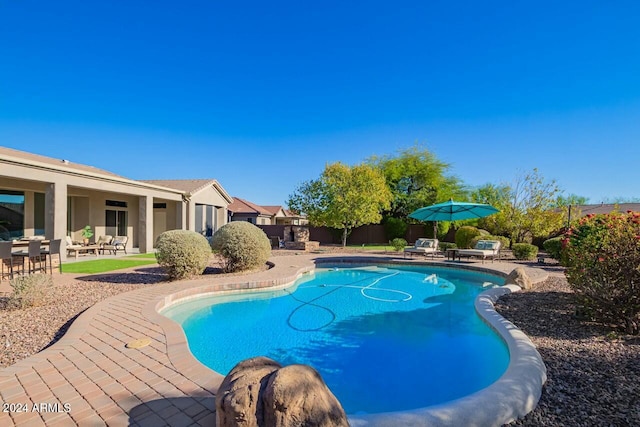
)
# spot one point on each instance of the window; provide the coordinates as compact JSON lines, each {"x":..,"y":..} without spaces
{"x":38,"y":214}
{"x":205,"y":219}
{"x":11,"y":214}
{"x":116,"y":203}
{"x":116,"y":223}
{"x":250,"y":220}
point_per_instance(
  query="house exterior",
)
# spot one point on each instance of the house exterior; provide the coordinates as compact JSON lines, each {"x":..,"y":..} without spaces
{"x":56,"y":198}
{"x":243,"y":210}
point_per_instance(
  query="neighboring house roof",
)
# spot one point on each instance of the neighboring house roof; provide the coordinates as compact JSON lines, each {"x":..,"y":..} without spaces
{"x":273,"y":210}
{"x":604,"y":208}
{"x":287,"y":212}
{"x":245,"y":207}
{"x":190,"y":186}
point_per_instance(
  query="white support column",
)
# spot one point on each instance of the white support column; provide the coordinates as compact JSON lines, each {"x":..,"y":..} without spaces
{"x":191,"y":212}
{"x":55,"y":217}
{"x":145,"y":233}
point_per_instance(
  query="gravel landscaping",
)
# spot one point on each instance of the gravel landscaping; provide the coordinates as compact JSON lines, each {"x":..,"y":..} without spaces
{"x":593,"y":373}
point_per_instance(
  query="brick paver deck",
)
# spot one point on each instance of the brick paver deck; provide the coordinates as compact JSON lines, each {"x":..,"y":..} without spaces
{"x":90,"y":378}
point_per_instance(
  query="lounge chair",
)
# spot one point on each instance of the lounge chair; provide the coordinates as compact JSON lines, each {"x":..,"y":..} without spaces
{"x":483,"y":249}
{"x":423,"y":246}
{"x":119,"y":243}
{"x":103,"y":240}
{"x":71,"y":246}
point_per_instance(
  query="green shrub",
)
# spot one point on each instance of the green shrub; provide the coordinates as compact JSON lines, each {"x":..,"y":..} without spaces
{"x":398,"y":244}
{"x":443,"y":229}
{"x":524,"y":251}
{"x":242,"y":245}
{"x":30,"y":291}
{"x":602,"y":256}
{"x":446,"y":245}
{"x":182,"y":253}
{"x":395,"y":228}
{"x":464,"y":235}
{"x":553,"y":247}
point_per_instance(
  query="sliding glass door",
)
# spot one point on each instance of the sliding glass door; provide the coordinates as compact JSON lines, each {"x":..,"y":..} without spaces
{"x":116,"y":222}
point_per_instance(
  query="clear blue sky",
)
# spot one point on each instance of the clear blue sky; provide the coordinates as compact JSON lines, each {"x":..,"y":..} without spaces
{"x":261,"y":95}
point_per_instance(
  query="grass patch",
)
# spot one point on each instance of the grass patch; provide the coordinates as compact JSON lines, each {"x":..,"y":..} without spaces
{"x":151,"y":255}
{"x":106,"y":265}
{"x":372,"y":247}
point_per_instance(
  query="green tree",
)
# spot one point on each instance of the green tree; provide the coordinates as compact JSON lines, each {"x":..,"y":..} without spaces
{"x":571,"y":199}
{"x":416,"y":179}
{"x":343,"y":197}
{"x":526,"y":207}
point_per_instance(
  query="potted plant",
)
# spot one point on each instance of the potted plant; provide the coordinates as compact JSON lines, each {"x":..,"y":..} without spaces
{"x":87,"y":233}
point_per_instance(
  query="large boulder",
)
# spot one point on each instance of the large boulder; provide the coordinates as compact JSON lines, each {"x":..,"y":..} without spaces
{"x":519,"y":277}
{"x":238,"y":400}
{"x":296,"y":395}
{"x":259,"y":392}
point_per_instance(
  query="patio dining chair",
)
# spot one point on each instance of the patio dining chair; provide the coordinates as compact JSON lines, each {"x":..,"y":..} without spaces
{"x":54,"y":249}
{"x":33,"y":254}
{"x":119,"y":243}
{"x":6,"y":257}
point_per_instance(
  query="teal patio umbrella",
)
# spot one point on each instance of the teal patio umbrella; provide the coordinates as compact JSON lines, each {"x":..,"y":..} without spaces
{"x":452,"y":211}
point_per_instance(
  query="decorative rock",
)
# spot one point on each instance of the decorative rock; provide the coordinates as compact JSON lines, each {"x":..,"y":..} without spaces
{"x":296,"y":395}
{"x":258,"y":392}
{"x":238,"y":399}
{"x":519,"y":277}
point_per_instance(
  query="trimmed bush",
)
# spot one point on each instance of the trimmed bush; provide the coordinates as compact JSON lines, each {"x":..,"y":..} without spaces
{"x":182,"y":253}
{"x":395,"y":228}
{"x":30,"y":291}
{"x":553,"y":247}
{"x":398,"y":244}
{"x":242,"y":245}
{"x":464,"y":235}
{"x":603,"y":255}
{"x":524,"y":251}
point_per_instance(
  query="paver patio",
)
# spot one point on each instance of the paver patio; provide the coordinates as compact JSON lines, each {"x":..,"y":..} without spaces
{"x":90,"y":378}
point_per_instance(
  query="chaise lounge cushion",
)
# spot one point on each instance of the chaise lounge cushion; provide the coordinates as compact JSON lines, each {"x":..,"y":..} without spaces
{"x":70,"y":244}
{"x":424,"y":246}
{"x":483,"y":249}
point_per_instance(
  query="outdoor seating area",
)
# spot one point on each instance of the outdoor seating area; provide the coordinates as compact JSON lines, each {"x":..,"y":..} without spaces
{"x":28,"y":256}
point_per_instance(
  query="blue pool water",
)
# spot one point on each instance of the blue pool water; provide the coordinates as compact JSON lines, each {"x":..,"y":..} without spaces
{"x":383,"y":339}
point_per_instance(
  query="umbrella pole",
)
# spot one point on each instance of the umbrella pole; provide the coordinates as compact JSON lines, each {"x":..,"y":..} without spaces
{"x":435,"y":229}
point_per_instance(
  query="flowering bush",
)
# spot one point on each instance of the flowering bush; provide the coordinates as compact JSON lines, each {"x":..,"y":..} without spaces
{"x":603,"y":267}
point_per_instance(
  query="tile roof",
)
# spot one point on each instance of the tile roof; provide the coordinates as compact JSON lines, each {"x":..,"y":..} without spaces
{"x":243,"y":206}
{"x":273,"y":210}
{"x":185,"y":185}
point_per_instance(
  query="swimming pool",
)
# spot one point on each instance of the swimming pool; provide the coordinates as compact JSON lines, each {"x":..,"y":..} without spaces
{"x":384,"y":339}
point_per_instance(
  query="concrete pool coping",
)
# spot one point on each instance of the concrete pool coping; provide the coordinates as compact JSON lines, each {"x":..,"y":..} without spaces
{"x":90,"y":369}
